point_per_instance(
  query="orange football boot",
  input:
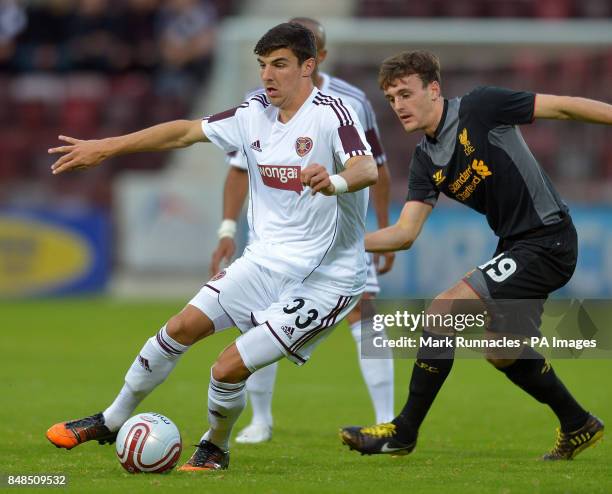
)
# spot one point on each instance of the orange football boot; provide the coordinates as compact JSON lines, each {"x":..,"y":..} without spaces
{"x":70,"y":434}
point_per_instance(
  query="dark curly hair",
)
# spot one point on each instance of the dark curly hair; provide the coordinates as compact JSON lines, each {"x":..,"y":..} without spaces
{"x":422,"y":63}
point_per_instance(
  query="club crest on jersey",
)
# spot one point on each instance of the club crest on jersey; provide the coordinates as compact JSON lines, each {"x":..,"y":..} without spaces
{"x":465,"y":142}
{"x":438,"y":177}
{"x":218,"y":276}
{"x":303,"y":145}
{"x":284,"y":177}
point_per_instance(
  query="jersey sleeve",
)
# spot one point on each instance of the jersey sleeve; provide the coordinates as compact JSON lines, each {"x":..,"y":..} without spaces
{"x":373,"y":135}
{"x":223,"y":129}
{"x":348,"y":137}
{"x":236,"y":159}
{"x":500,"y":106}
{"x":420,"y":185}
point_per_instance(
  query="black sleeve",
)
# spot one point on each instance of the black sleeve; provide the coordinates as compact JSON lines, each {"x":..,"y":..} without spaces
{"x":420,"y":185}
{"x":500,"y":106}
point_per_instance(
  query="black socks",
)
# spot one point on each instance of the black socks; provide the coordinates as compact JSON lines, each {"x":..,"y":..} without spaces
{"x":535,"y":375}
{"x":432,"y":366}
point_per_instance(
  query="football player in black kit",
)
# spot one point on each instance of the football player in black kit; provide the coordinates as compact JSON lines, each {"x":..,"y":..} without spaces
{"x":474,"y":153}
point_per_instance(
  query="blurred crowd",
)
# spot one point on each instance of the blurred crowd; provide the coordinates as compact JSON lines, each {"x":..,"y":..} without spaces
{"x":539,"y":9}
{"x":173,"y":38}
{"x":95,"y":68}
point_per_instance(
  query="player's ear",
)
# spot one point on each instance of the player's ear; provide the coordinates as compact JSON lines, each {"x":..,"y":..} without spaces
{"x":434,"y":90}
{"x":308,"y":67}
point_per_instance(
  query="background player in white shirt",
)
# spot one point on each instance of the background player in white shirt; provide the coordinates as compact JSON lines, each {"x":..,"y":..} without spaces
{"x":305,"y":268}
{"x":377,"y":373}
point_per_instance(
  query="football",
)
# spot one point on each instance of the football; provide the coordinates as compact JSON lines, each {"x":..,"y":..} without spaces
{"x":149,"y":442}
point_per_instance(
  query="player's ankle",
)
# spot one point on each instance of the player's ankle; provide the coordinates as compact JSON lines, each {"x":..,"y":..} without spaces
{"x":404,"y":430}
{"x":576,"y":423}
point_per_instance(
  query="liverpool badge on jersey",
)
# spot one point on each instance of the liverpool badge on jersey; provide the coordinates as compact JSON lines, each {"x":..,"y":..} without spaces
{"x":303,"y":145}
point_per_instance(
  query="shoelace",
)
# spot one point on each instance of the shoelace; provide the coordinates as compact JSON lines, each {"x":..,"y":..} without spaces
{"x":380,"y":430}
{"x":561,"y":443}
{"x":202,"y":454}
{"x":84,"y":422}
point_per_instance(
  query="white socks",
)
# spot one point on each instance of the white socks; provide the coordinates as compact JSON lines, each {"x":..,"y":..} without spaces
{"x":260,"y":386}
{"x":153,"y":364}
{"x":378,"y":376}
{"x":225,"y":404}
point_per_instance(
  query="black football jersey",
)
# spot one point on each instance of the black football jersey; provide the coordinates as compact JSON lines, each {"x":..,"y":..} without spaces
{"x":478,"y":157}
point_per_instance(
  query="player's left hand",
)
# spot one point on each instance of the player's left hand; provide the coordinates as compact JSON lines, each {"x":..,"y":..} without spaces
{"x":316,"y":177}
{"x":389,"y":259}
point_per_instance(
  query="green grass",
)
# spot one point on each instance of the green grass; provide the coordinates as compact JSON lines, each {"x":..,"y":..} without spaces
{"x":64,"y":359}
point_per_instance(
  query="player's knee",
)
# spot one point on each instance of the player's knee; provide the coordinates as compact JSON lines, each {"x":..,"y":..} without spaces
{"x":498,"y":362}
{"x":224,"y":371}
{"x":187,"y":328}
{"x":178,"y":329}
{"x":439,"y":307}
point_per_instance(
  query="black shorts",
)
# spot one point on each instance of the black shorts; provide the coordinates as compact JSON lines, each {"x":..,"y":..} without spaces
{"x":526,"y":268}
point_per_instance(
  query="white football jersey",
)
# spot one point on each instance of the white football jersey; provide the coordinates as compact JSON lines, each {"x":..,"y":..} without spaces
{"x":315,"y":238}
{"x":349,"y":94}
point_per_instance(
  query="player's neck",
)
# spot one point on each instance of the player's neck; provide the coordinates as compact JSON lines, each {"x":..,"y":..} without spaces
{"x":317,"y":79}
{"x":438,"y":111}
{"x":292,"y":105}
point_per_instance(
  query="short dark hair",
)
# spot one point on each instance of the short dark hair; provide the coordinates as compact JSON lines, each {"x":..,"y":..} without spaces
{"x":291,"y":35}
{"x":422,"y":63}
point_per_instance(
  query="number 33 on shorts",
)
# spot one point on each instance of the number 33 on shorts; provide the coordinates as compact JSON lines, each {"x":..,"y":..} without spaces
{"x":301,"y":322}
{"x":499,"y":268}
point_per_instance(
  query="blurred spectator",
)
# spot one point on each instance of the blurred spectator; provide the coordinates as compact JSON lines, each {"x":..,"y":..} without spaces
{"x":12,"y":21}
{"x":187,"y":36}
{"x":96,"y":40}
{"x":41,"y":45}
{"x":140,"y":18}
{"x":486,"y":8}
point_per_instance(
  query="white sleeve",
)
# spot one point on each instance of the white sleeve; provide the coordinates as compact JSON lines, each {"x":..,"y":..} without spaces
{"x":223,"y":129}
{"x":237,"y":159}
{"x":348,"y":137}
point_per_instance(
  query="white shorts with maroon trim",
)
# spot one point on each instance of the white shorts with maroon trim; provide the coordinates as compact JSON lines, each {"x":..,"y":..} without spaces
{"x":294,"y":316}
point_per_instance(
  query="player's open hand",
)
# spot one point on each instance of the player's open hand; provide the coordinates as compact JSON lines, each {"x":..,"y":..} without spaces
{"x":78,"y":154}
{"x":316,"y":177}
{"x":388,"y":260}
{"x":224,"y":252}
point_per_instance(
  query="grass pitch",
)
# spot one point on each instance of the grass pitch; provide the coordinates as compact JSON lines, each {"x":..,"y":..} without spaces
{"x":66,"y":358}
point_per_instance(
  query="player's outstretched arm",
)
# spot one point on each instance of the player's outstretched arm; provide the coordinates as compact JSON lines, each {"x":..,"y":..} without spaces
{"x":381,"y":198}
{"x":359,"y":172}
{"x":572,"y":108}
{"x":234,"y":194}
{"x":85,"y":154}
{"x":402,"y":235}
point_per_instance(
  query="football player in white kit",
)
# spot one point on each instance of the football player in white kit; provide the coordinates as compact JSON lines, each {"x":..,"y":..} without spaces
{"x":309,"y":169}
{"x":377,"y":373}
